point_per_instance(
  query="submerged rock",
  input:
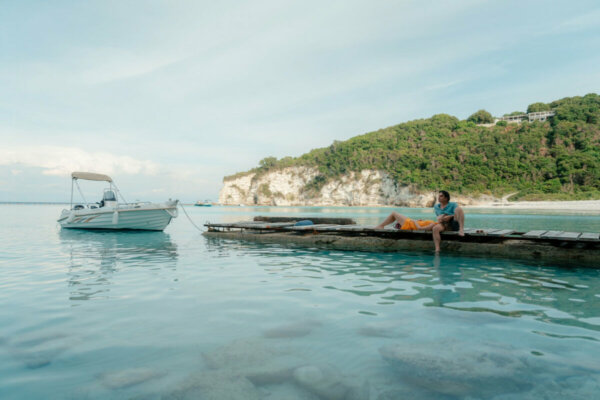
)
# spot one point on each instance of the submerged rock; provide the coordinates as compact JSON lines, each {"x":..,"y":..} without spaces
{"x":410,"y":393}
{"x":328,"y":384}
{"x":37,"y":340}
{"x":215,"y":385}
{"x":254,"y":360}
{"x":274,"y":372}
{"x":38,"y":358}
{"x":458,"y":372}
{"x":288,"y":391}
{"x":37,"y":351}
{"x":382,"y":330}
{"x":33,"y":361}
{"x":240,"y":354}
{"x":129,"y":377}
{"x":291,"y":330}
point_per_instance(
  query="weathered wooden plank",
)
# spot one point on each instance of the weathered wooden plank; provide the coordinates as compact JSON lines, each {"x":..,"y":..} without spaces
{"x":329,"y":228}
{"x":502,"y":232}
{"x":490,"y":231}
{"x":534,"y":234}
{"x":308,"y":227}
{"x":354,"y":228}
{"x":230,"y":224}
{"x":279,"y":224}
{"x":552,"y":234}
{"x":470,"y":230}
{"x":589,"y":236}
{"x":250,"y":226}
{"x":260,"y":225}
{"x":569,"y":235}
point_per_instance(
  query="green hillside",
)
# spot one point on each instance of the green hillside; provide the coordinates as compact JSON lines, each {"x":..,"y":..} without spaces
{"x":556,"y":159}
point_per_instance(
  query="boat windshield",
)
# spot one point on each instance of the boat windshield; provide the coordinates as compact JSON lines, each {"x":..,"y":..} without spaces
{"x":109,"y":195}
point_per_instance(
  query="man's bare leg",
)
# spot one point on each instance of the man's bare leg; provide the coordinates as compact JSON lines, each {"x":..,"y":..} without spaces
{"x":437,"y":238}
{"x":460,"y":217}
{"x":394,"y":216}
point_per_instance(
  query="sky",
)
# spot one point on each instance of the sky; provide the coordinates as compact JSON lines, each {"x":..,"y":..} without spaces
{"x":168,"y":97}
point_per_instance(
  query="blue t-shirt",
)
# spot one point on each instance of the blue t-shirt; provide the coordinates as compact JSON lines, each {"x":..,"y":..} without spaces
{"x":448,"y":210}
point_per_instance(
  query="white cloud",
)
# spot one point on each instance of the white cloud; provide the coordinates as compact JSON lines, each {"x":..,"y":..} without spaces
{"x":580,"y":22}
{"x":110,"y":64}
{"x":60,"y":161}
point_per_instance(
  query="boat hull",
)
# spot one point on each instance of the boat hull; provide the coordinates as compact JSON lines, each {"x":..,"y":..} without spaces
{"x":155,"y":219}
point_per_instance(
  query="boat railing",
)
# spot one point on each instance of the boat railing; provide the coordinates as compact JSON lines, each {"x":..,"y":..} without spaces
{"x":117,"y":206}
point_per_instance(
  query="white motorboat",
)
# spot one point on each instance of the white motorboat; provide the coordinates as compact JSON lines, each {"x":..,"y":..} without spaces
{"x":205,"y":203}
{"x":109,"y":213}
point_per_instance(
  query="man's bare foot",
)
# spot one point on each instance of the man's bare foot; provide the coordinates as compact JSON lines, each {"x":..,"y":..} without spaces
{"x":437,"y":251}
{"x":461,"y":233}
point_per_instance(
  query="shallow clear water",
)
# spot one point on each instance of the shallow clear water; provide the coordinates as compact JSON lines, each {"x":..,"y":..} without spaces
{"x":96,"y":315}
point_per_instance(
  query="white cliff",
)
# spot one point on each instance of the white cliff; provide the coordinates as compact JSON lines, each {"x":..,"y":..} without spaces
{"x":368,"y":188}
{"x":285,"y":188}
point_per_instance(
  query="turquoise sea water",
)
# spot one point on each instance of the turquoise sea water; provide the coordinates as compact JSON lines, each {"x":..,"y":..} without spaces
{"x":173,"y":315}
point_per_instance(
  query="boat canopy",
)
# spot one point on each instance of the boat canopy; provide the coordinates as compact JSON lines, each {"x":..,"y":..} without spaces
{"x":91,"y":176}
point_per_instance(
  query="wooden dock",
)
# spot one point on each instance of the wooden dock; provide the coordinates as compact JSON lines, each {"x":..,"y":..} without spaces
{"x":574,"y":248}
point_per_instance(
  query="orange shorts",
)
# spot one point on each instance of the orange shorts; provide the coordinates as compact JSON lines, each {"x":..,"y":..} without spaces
{"x":412,"y":225}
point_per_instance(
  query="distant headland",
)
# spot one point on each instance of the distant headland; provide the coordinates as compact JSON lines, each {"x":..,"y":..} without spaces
{"x":550,"y":152}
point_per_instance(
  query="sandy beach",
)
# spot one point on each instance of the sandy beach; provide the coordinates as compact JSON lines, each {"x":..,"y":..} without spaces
{"x":579,"y":205}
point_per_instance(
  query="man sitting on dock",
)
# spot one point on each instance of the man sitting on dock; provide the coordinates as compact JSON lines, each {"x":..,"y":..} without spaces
{"x":450,"y":217}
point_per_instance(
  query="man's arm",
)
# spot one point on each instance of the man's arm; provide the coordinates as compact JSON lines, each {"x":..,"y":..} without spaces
{"x":444,"y":218}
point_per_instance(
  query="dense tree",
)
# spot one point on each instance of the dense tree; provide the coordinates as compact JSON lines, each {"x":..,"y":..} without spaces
{"x":536,"y":107}
{"x":481,"y":117}
{"x":267,"y":162}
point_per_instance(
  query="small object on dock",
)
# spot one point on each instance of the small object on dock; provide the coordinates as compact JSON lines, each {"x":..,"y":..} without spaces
{"x":315,"y":220}
{"x":305,"y":222}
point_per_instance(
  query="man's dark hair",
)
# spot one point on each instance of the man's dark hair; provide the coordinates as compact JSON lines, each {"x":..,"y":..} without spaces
{"x":446,"y":194}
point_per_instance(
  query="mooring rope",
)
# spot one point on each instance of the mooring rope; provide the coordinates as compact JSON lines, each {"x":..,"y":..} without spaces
{"x":188,"y":217}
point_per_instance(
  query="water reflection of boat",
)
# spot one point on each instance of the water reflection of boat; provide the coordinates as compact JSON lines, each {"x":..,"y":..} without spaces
{"x":96,"y":257}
